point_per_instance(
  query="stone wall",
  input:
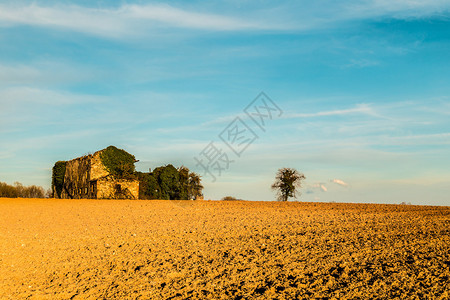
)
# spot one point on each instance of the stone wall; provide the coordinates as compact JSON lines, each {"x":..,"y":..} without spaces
{"x":98,"y":170}
{"x":110,"y":188}
{"x":76,"y":179}
{"x":86,"y":177}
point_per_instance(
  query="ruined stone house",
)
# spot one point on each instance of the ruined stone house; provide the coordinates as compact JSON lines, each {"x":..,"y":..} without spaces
{"x":87,"y":177}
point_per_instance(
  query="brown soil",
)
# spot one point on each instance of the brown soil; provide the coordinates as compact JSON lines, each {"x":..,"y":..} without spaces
{"x":78,"y":249}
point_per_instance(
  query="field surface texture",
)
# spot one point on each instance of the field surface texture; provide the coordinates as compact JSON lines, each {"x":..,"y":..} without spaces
{"x":92,"y":249}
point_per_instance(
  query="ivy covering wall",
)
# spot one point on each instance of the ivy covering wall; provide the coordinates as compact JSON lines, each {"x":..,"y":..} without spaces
{"x":58,"y":172}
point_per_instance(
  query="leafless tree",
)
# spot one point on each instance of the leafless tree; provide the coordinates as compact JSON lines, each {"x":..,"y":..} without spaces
{"x":288,"y":181}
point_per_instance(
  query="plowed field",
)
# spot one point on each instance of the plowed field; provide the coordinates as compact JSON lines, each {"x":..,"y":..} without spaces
{"x":105,"y":249}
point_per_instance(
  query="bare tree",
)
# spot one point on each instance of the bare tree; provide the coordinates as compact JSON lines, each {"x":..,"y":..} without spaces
{"x":288,"y":181}
{"x":18,"y":190}
{"x":49,"y":193}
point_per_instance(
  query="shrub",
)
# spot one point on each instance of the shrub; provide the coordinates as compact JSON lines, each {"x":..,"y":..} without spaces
{"x":170,"y":183}
{"x":148,"y":186}
{"x":229,"y":198}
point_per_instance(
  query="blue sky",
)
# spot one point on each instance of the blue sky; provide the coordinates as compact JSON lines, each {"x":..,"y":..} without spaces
{"x":363,"y":86}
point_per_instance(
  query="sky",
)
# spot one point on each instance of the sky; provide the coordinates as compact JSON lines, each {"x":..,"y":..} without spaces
{"x":356,"y":94}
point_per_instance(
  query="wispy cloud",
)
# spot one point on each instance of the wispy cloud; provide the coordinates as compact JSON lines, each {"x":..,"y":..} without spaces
{"x":304,"y":16}
{"x":361,"y":63}
{"x":42,"y":141}
{"x":136,"y":20}
{"x":94,"y":21}
{"x":17,"y":74}
{"x":399,"y":9}
{"x":175,"y":17}
{"x":24,"y":94}
{"x":418,"y":139}
{"x":340,"y":11}
{"x":45,"y":72}
{"x":122,"y":21}
{"x":24,"y":105}
{"x":359,"y":109}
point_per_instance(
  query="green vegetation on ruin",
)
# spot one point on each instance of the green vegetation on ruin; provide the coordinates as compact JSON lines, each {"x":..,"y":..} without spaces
{"x":118,"y":162}
{"x":165,"y":182}
{"x":58,"y":172}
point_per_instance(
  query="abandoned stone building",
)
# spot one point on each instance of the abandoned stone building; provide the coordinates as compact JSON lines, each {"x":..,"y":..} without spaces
{"x":87,"y":177}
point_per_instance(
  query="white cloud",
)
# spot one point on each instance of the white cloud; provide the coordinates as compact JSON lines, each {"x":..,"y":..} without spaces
{"x":26,"y":107}
{"x":171,"y":16}
{"x":361,"y":63}
{"x":334,"y":12}
{"x":224,"y":120}
{"x":45,"y":141}
{"x":136,"y":20}
{"x":309,"y":15}
{"x":359,"y":109}
{"x":418,"y":139}
{"x":18,"y":74}
{"x":124,"y":21}
{"x":45,"y":72}
{"x":94,"y":21}
{"x":312,"y":188}
{"x":24,"y":94}
{"x":318,"y":186}
{"x":339,"y":182}
{"x":403,"y":8}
